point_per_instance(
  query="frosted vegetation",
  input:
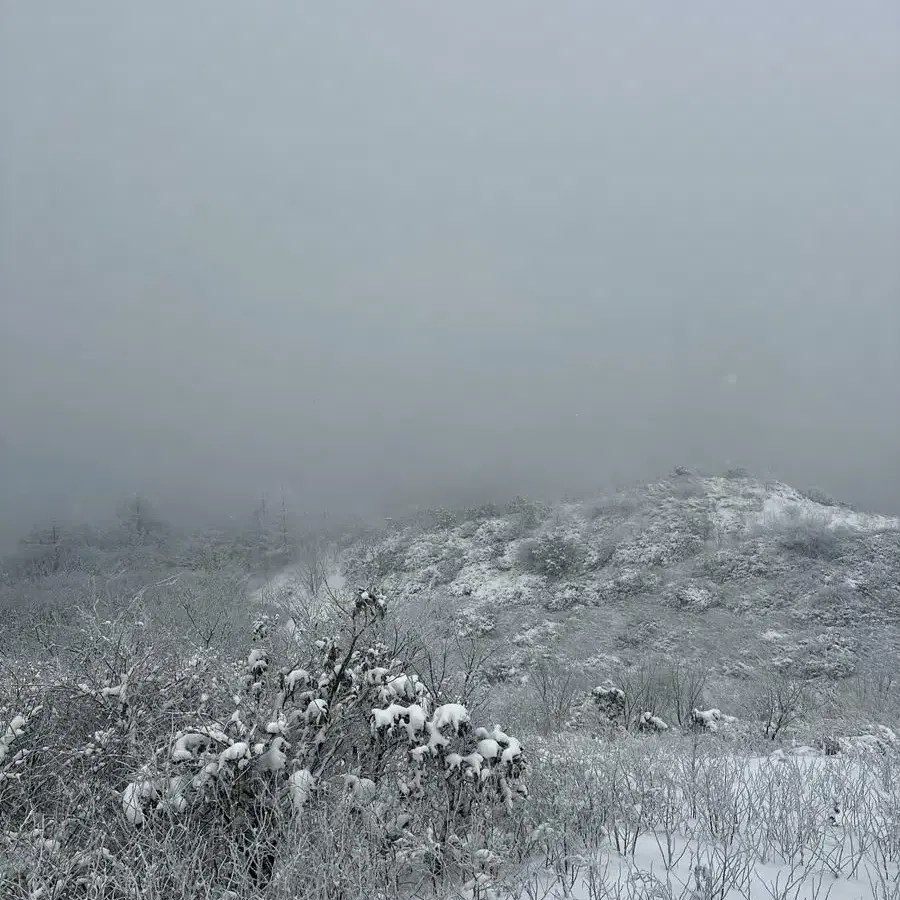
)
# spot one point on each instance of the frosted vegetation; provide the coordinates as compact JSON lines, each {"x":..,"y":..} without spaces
{"x":687,"y":691}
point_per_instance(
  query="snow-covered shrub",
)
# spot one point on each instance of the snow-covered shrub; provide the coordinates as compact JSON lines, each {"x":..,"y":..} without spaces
{"x":624,"y":701}
{"x":264,"y":627}
{"x":446,"y":569}
{"x":610,"y":702}
{"x":751,"y":559}
{"x":361,"y":721}
{"x":817,"y":495}
{"x":652,"y":723}
{"x":473,"y":623}
{"x":643,"y":633}
{"x":529,"y":513}
{"x":564,"y":596}
{"x":11,"y":731}
{"x":374,"y":560}
{"x":552,"y":555}
{"x":829,"y":655}
{"x":599,"y":555}
{"x":706,"y":719}
{"x":252,"y":762}
{"x":502,"y":673}
{"x":694,"y":597}
{"x":443,"y":517}
{"x":813,"y":538}
{"x":880,"y":740}
{"x":670,"y":539}
{"x":369,"y":602}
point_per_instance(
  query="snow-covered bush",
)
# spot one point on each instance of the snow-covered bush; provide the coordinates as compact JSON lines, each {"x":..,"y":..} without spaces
{"x":349,"y":721}
{"x":564,"y":596}
{"x":664,"y":543}
{"x":623,"y":701}
{"x":817,"y":495}
{"x":474,"y":623}
{"x":529,"y":513}
{"x":706,"y":719}
{"x":627,"y":584}
{"x":652,"y":723}
{"x":693,"y":597}
{"x":813,"y":538}
{"x":552,"y":555}
{"x":128,"y":743}
{"x":752,"y":559}
{"x":610,"y":702}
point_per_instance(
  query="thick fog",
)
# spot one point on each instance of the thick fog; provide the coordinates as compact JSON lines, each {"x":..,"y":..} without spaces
{"x":416,"y":252}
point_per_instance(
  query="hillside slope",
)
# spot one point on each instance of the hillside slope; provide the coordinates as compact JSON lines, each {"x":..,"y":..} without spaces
{"x":743,"y":575}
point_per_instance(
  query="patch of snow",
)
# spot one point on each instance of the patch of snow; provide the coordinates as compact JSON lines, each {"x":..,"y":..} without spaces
{"x":773,"y":635}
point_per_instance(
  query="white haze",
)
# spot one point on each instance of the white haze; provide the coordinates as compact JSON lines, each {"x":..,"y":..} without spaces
{"x":393,"y":253}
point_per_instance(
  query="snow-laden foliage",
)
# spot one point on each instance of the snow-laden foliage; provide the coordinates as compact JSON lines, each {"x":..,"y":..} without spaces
{"x":553,"y":555}
{"x":349,"y":722}
{"x":244,"y":762}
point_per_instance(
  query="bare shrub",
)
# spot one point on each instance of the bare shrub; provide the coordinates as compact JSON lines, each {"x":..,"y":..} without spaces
{"x":207,"y":608}
{"x":554,"y":687}
{"x":875,"y":688}
{"x":780,"y":703}
{"x":685,"y":686}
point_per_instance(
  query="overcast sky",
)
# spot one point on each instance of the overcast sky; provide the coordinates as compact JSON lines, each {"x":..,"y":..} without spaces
{"x":403,"y":251}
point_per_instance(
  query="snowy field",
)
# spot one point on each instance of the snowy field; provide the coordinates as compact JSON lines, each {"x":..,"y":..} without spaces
{"x":647,"y":819}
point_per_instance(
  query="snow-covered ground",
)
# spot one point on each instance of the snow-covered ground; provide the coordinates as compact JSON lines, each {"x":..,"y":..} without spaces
{"x":789,"y":826}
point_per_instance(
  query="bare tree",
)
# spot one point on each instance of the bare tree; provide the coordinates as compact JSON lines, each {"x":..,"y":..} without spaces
{"x":643,"y":689}
{"x":685,"y":686}
{"x":212,"y":605}
{"x":554,"y":687}
{"x":874,"y":688}
{"x":451,"y":665}
{"x":287,"y":548}
{"x":780,"y":703}
{"x":313,"y":571}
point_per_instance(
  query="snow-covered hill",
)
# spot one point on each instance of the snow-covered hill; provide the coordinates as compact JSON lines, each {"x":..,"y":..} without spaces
{"x":737,"y":571}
